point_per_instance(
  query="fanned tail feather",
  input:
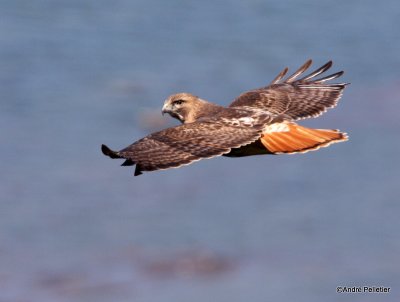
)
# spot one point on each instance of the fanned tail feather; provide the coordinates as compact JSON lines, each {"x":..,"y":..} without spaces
{"x":294,"y":138}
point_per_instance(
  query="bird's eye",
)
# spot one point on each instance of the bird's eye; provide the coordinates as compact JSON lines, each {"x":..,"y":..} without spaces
{"x":178,"y":102}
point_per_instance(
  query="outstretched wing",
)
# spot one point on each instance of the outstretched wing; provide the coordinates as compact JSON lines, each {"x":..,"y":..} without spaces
{"x":184,"y":144}
{"x":294,"y":98}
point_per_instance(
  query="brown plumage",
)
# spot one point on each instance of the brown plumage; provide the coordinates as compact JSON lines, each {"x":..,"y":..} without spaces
{"x":259,"y":121}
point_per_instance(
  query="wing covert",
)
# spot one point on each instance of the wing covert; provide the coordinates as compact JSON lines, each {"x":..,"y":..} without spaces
{"x":294,"y":98}
{"x":184,"y":144}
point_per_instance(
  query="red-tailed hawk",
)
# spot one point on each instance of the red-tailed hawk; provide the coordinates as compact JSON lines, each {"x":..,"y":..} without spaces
{"x":260,"y":121}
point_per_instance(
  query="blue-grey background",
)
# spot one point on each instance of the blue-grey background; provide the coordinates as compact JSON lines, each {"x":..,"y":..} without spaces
{"x":74,"y":226}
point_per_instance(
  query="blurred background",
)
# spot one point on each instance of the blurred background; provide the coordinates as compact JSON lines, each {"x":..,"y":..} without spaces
{"x":74,"y":226}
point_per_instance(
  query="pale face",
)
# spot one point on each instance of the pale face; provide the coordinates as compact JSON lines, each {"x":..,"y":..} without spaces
{"x":180,"y":106}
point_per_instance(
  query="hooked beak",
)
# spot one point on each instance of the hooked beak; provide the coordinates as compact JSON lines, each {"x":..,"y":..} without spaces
{"x":165,"y":109}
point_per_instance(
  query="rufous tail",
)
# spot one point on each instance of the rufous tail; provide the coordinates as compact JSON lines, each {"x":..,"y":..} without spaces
{"x":293,"y":138}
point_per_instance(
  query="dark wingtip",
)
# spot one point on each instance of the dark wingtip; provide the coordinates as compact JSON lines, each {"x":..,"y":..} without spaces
{"x":107,"y":151}
{"x":299,"y":71}
{"x":138,"y":170}
{"x":128,"y":162}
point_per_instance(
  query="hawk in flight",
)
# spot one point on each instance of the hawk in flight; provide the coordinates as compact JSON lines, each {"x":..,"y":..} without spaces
{"x":259,"y":121}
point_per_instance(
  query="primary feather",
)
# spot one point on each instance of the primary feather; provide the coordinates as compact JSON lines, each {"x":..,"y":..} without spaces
{"x":259,"y":121}
{"x":295,"y":99}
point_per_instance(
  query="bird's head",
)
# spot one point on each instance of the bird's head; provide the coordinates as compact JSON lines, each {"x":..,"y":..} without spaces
{"x":183,"y":106}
